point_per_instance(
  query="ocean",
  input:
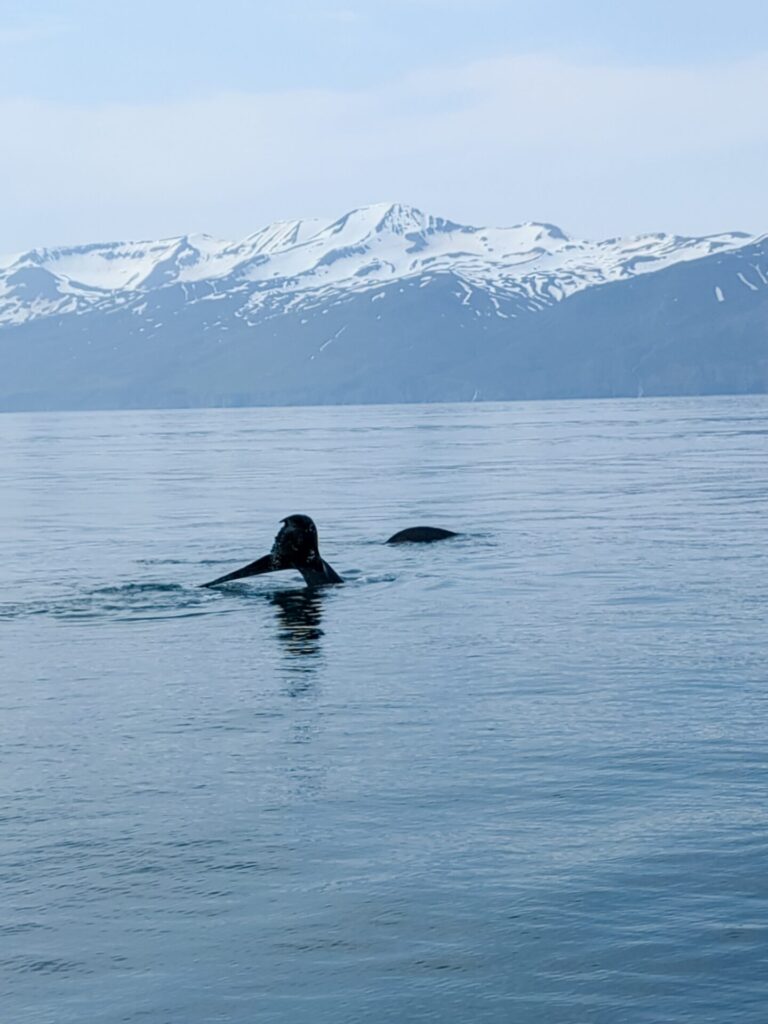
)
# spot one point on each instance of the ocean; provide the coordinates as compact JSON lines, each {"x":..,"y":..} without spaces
{"x":517,"y":776}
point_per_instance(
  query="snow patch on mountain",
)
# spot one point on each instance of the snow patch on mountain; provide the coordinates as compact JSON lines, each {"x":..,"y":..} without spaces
{"x":290,"y":264}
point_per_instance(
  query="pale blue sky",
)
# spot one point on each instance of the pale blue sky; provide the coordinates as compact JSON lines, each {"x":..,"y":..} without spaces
{"x":157,"y":118}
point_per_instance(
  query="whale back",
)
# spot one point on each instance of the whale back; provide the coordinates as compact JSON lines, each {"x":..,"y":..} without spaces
{"x":421,"y":535}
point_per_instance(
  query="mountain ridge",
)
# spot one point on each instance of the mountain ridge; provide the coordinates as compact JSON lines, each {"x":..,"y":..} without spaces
{"x":361,"y":249}
{"x":385,"y":303}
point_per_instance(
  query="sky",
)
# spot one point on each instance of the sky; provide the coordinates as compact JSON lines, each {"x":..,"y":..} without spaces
{"x":155,"y":119}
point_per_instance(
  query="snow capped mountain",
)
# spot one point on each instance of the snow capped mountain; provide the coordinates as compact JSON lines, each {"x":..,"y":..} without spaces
{"x":384,"y":304}
{"x":296,"y":263}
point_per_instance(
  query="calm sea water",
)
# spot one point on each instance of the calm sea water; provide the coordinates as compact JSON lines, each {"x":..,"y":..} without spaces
{"x":520,"y":776}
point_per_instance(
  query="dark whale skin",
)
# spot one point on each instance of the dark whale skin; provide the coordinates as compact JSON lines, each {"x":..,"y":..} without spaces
{"x":295,"y":547}
{"x":421,"y":535}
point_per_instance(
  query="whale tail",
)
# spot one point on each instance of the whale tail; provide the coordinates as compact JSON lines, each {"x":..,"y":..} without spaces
{"x":264,"y":564}
{"x":295,"y":547}
{"x":317,"y":573}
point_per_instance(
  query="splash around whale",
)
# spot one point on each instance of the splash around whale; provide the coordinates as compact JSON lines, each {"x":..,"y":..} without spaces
{"x":296,"y":547}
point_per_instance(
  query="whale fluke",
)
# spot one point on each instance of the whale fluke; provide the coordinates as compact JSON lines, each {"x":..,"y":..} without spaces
{"x":421,"y":535}
{"x":295,"y":547}
{"x":264,"y":564}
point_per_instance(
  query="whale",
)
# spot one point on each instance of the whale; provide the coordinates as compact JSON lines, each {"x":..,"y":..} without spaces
{"x":420,"y":535}
{"x":296,"y":547}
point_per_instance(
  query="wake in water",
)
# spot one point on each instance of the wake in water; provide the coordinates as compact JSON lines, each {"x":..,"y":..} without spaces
{"x":154,"y":600}
{"x":139,"y":602}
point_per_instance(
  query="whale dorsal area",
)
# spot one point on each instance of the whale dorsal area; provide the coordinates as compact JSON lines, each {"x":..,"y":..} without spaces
{"x":420,"y":535}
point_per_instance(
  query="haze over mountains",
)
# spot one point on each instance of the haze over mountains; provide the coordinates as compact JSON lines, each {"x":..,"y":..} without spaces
{"x":385,"y":304}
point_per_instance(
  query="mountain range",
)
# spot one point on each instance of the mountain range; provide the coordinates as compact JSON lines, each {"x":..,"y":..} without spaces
{"x":385,"y":304}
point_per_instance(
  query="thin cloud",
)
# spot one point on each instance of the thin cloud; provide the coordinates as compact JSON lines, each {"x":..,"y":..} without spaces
{"x":30,"y":33}
{"x":343,"y":16}
{"x":600,"y":150}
